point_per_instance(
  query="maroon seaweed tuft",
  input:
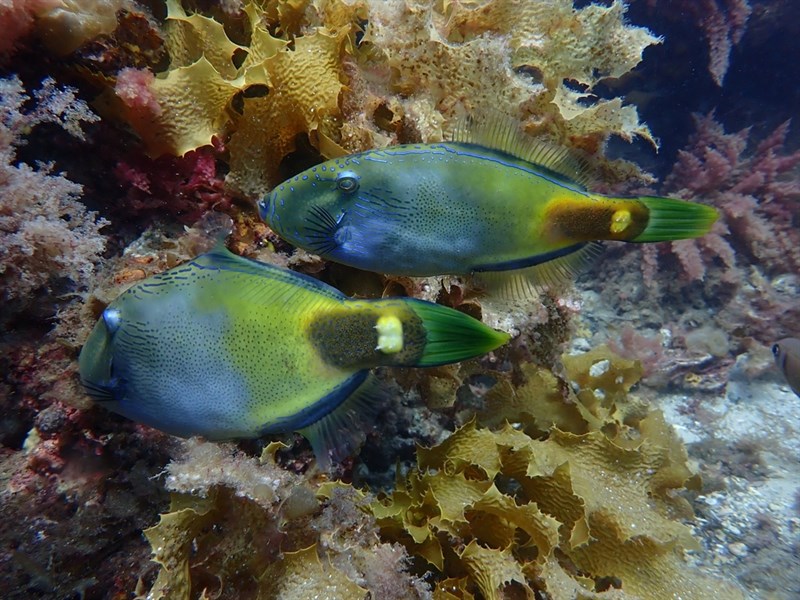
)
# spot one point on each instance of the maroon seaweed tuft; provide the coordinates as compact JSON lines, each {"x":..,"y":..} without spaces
{"x":756,"y":192}
{"x":186,"y":187}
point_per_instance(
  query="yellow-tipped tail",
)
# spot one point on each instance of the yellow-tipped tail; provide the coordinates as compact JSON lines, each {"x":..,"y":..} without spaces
{"x":671,"y":219}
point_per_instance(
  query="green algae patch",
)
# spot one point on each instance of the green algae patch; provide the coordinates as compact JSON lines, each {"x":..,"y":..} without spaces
{"x":538,"y":403}
{"x":350,"y":75}
{"x":591,"y":395}
{"x":473,"y":447}
{"x":304,"y":84}
{"x":192,"y":100}
{"x":587,"y":504}
{"x":647,"y":568}
{"x":491,"y":569}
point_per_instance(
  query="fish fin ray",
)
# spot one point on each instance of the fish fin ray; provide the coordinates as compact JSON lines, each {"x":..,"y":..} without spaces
{"x":342,"y":432}
{"x":500,"y":132}
{"x":97,"y":391}
{"x":527,"y":283}
{"x":320,"y":230}
{"x":672,"y":219}
{"x":452,"y":336}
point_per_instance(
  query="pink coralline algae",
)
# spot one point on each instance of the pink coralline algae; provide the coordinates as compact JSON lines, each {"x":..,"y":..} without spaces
{"x":747,"y":266}
{"x":17,"y":19}
{"x":757,"y":193}
{"x":723,"y":23}
{"x":186,"y":187}
{"x":133,"y":88}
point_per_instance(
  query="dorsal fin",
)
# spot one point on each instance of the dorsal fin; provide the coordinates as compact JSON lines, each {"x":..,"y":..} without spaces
{"x":502,"y":133}
{"x":223,"y":259}
{"x":525,"y":284}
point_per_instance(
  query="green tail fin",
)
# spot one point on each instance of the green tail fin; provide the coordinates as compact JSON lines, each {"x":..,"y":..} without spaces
{"x":453,"y":336}
{"x":675,"y":219}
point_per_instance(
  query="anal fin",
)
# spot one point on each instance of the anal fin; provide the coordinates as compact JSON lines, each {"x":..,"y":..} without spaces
{"x":526,"y":283}
{"x":341,"y":432}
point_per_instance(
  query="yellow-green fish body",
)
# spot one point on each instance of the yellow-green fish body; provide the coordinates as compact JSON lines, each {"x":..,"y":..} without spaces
{"x":226,"y":347}
{"x":491,"y":200}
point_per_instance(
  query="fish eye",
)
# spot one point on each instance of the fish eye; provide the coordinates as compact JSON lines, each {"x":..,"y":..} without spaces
{"x":111,"y":318}
{"x":776,"y":349}
{"x":347,"y":182}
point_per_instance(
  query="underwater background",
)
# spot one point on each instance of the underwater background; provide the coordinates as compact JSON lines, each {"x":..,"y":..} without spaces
{"x":634,"y":439}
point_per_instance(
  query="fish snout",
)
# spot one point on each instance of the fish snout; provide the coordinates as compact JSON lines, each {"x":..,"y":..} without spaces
{"x":265,"y":204}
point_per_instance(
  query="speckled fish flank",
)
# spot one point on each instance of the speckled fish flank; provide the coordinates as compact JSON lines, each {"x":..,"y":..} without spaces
{"x":226,"y":347}
{"x":492,"y":200}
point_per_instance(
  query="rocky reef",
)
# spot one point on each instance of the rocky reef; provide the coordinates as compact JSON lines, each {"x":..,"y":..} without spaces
{"x":565,"y":465}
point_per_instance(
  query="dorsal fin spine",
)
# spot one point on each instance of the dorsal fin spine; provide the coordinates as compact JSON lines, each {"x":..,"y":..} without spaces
{"x":502,"y":133}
